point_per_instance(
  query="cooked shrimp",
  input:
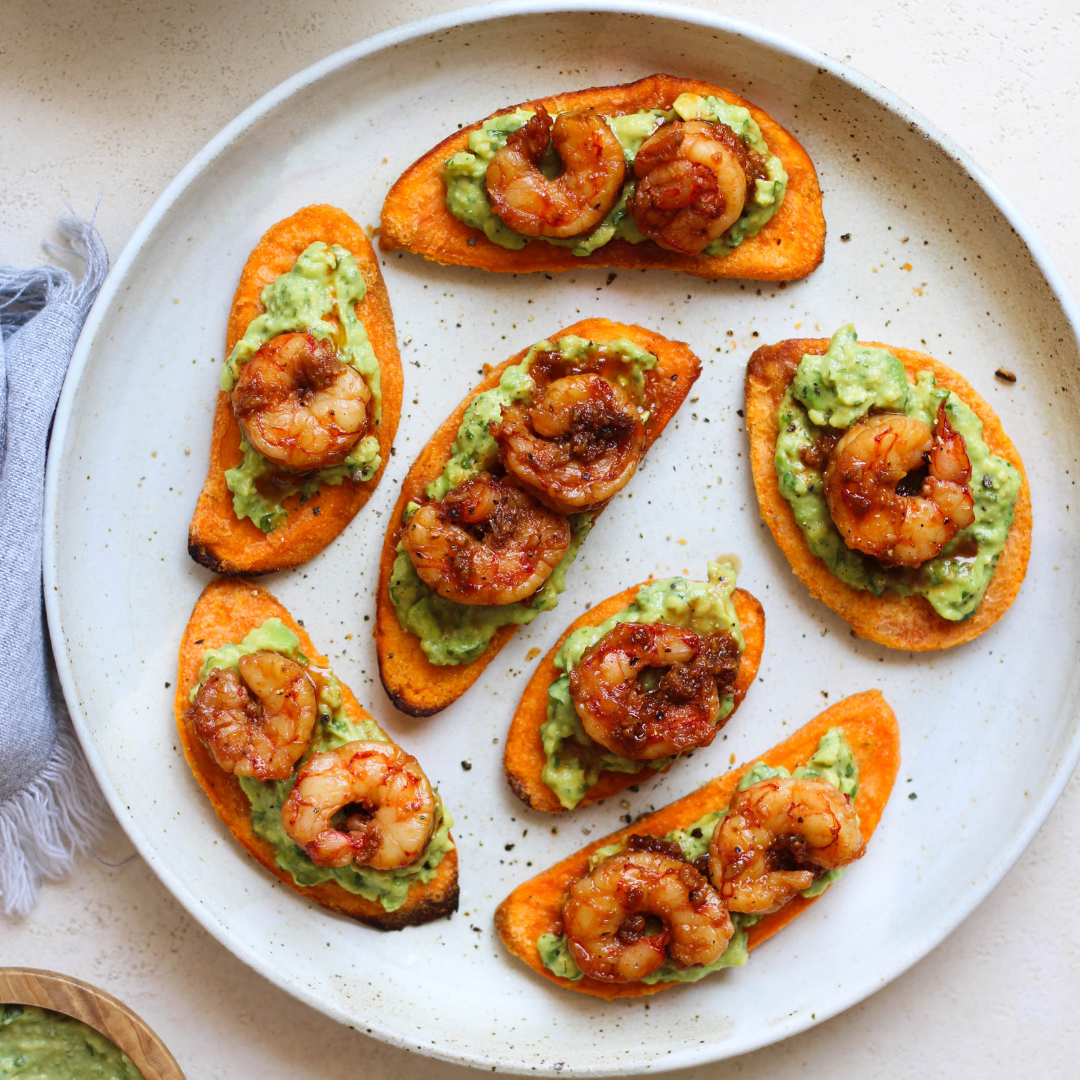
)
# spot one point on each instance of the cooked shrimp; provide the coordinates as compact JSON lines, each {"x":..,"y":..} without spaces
{"x":487,"y":542}
{"x":256,"y":719}
{"x":575,"y":445}
{"x":605,"y":916}
{"x":693,"y":181}
{"x":386,"y":803}
{"x":677,"y":713}
{"x":871,"y":459}
{"x":777,"y":836}
{"x":575,"y":200}
{"x":299,"y":405}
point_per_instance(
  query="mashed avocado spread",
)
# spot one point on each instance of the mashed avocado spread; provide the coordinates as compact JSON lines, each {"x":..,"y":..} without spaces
{"x":453,"y":633}
{"x":467,"y":197}
{"x":325,"y":279}
{"x":832,"y":761}
{"x":574,"y":762}
{"x":334,"y":728}
{"x":38,"y":1044}
{"x":839,"y":388}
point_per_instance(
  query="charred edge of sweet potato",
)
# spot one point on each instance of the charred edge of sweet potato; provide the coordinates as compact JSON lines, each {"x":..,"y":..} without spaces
{"x":870,"y":728}
{"x":901,"y":622}
{"x":524,"y":757}
{"x":790,"y":246}
{"x":413,"y":683}
{"x":227,"y":609}
{"x":217,"y":538}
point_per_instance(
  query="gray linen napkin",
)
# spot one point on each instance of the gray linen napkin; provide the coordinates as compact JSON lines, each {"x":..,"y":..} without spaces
{"x":50,"y":806}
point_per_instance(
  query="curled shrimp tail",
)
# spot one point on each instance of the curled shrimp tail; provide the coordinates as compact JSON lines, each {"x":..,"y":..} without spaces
{"x":256,"y":719}
{"x":575,"y":446}
{"x":862,"y":487}
{"x":694,"y":179}
{"x":620,"y":710}
{"x":486,"y":542}
{"x":949,"y":457}
{"x":946,"y":485}
{"x":606,"y":916}
{"x":534,"y":136}
{"x":777,"y":837}
{"x":300,"y":406}
{"x":574,"y":201}
{"x":367,"y":802}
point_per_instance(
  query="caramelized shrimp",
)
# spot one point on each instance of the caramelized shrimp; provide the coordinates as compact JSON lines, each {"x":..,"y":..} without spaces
{"x":861,"y":486}
{"x":693,"y":182}
{"x":611,"y":693}
{"x":256,"y":719}
{"x":386,"y":804}
{"x":579,"y":197}
{"x":605,"y":916}
{"x":299,"y":405}
{"x":487,"y":542}
{"x":777,"y":836}
{"x":576,"y":445}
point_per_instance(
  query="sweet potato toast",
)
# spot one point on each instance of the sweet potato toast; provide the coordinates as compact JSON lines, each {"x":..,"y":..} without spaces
{"x":226,"y":611}
{"x":535,"y":907}
{"x":415,"y":685}
{"x":792,"y":244}
{"x":901,"y":622}
{"x":524,"y":756}
{"x":217,"y":538}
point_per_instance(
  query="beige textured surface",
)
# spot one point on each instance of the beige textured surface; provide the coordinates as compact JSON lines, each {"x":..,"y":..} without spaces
{"x":117,"y":96}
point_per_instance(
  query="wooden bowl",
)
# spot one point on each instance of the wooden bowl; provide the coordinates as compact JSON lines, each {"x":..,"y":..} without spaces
{"x":73,"y":997}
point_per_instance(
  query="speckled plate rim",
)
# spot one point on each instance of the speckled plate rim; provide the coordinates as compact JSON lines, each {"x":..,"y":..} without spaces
{"x":933,"y":933}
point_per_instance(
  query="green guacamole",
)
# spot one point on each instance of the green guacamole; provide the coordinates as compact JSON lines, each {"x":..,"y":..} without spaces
{"x":38,"y":1044}
{"x":574,"y":762}
{"x":334,"y":728}
{"x":832,"y":761}
{"x":467,"y":198}
{"x":837,"y":389}
{"x":272,"y":636}
{"x":325,"y":279}
{"x":453,"y":633}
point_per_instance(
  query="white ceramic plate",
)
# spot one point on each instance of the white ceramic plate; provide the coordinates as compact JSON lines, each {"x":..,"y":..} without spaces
{"x":923,"y":252}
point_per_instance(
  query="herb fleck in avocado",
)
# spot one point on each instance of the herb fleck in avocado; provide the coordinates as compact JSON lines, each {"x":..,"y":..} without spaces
{"x":40,"y":1044}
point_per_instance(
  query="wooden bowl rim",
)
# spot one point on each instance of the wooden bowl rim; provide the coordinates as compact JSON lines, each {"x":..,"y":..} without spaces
{"x":100,"y":1010}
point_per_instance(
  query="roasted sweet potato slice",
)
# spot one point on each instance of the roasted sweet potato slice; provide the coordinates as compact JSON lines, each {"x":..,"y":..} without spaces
{"x":524,"y":756}
{"x":790,"y":246}
{"x":415,"y":685}
{"x":227,"y":610}
{"x":535,"y":907}
{"x":901,"y":622}
{"x":217,"y":538}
